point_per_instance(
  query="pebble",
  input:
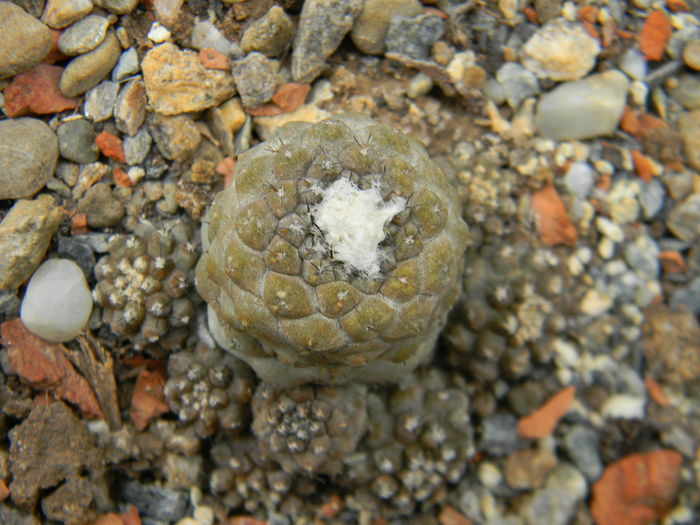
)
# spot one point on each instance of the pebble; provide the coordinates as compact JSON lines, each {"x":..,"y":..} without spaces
{"x":264,"y":126}
{"x":137,"y":147}
{"x":642,"y":255}
{"x":606,"y":248}
{"x":685,"y":89}
{"x":528,"y":469}
{"x":86,"y":71}
{"x":518,"y":83}
{"x":419,"y":85}
{"x":99,"y":101}
{"x":270,"y":35}
{"x":622,"y":202}
{"x":560,"y":50}
{"x":676,"y":44}
{"x":499,"y":436}
{"x":633,"y":64}
{"x":687,"y":296}
{"x":79,"y":251}
{"x":25,"y":168}
{"x":691,"y":54}
{"x":118,"y":7}
{"x":130,"y":107}
{"x":76,"y":141}
{"x":584,"y":108}
{"x":58,"y":302}
{"x":624,"y":406}
{"x":155,"y":502}
{"x":370,"y":29}
{"x":690,"y":134}
{"x":684,"y":219}
{"x":322,"y":26}
{"x":127,"y":65}
{"x":25,"y":234}
{"x":651,"y":198}
{"x":101,"y":207}
{"x":224,"y":121}
{"x":174,"y":80}
{"x":595,"y":303}
{"x":61,"y":13}
{"x":413,"y":36}
{"x":608,"y":228}
{"x":556,"y":502}
{"x":84,"y":35}
{"x":257,"y":78}
{"x":581,"y":444}
{"x":24,"y":41}
{"x":579,"y":179}
{"x":158,"y":33}
{"x":176,"y":137}
{"x":9,"y":307}
{"x":207,"y":35}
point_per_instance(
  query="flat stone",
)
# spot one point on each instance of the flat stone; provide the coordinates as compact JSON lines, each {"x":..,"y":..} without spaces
{"x":100,"y":100}
{"x":685,"y":89}
{"x":518,"y":83}
{"x":76,"y":141}
{"x":579,"y":179}
{"x":86,"y":71}
{"x":130,"y":107}
{"x":413,"y":37}
{"x":61,"y":13}
{"x":499,"y":436}
{"x":270,"y":35}
{"x":24,"y":41}
{"x":257,"y":78}
{"x":264,"y":126}
{"x":127,"y":65}
{"x":176,"y":137}
{"x":684,"y":219}
{"x":556,"y":502}
{"x":224,"y":121}
{"x":651,"y":198}
{"x":528,"y":468}
{"x":36,"y":91}
{"x":691,"y":54}
{"x":560,"y":50}
{"x":155,"y":502}
{"x":322,"y":26}
{"x":174,"y":81}
{"x":58,"y":302}
{"x":24,"y":167}
{"x":689,"y":124}
{"x":582,"y":109}
{"x":137,"y":147}
{"x":370,"y":29}
{"x":25,"y":234}
{"x":118,"y":7}
{"x":642,"y":255}
{"x":89,"y":174}
{"x":581,"y":445}
{"x":101,"y":207}
{"x":206,"y":35}
{"x":84,"y":35}
{"x":633,"y":63}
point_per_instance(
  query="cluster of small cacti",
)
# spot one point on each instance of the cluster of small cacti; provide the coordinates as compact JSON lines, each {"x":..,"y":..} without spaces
{"x":145,"y":285}
{"x":284,"y":301}
{"x":210,"y":389}
{"x":310,"y":429}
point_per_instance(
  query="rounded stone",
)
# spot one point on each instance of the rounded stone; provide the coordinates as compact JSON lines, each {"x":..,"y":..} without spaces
{"x":370,"y":29}
{"x":691,"y":54}
{"x":58,"y":303}
{"x":25,"y":168}
{"x":24,"y":41}
{"x":76,"y":141}
{"x":86,"y":71}
{"x":83,"y":36}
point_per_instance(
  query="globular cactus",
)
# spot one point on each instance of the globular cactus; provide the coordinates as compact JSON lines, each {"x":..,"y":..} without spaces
{"x":145,"y":285}
{"x":335,"y":254}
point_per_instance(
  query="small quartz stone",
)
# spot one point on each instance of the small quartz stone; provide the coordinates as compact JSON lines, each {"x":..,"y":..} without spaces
{"x":58,"y":303}
{"x":206,"y":35}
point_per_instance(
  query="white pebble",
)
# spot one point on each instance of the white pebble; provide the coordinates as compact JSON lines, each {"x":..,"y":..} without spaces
{"x":158,"y":33}
{"x":58,"y":303}
{"x":606,"y":248}
{"x":608,"y":228}
{"x":489,"y":475}
{"x":623,"y":406}
{"x":595,"y":303}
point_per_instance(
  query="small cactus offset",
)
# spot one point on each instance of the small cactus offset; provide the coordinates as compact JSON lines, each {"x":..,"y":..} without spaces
{"x":334,"y":256}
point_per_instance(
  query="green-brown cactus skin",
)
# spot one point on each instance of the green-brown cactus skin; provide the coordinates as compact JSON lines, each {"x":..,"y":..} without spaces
{"x":281,"y":299}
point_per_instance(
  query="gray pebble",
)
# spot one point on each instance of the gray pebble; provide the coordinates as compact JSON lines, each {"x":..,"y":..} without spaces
{"x":79,"y":251}
{"x":270,"y":35}
{"x":101,"y":207}
{"x":156,"y":502}
{"x":633,"y":63}
{"x":176,"y":137}
{"x":679,"y":39}
{"x":499,"y":436}
{"x":370,"y":28}
{"x":86,"y":71}
{"x":24,"y":41}
{"x":9,"y":305}
{"x":579,"y":179}
{"x":687,"y":296}
{"x":127,"y":65}
{"x":518,"y":83}
{"x":25,"y":168}
{"x":137,"y":147}
{"x":555,"y":503}
{"x":76,"y":141}
{"x":205,"y":34}
{"x":322,"y":26}
{"x":118,"y":7}
{"x":99,"y":101}
{"x":584,"y":108}
{"x":11,"y":516}
{"x":684,"y":219}
{"x":257,"y":78}
{"x":685,"y":89}
{"x":84,"y":35}
{"x":651,"y":197}
{"x":414,"y":36}
{"x":581,"y":445}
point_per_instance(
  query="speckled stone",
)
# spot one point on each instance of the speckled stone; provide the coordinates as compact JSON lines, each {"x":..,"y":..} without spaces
{"x":270,"y":35}
{"x":413,"y":36}
{"x":370,"y":28}
{"x":176,"y":137}
{"x":137,"y":147}
{"x":99,"y":101}
{"x":84,"y":35}
{"x":205,"y":34}
{"x":518,"y":83}
{"x":76,"y":141}
{"x":130,"y":107}
{"x":101,"y":207}
{"x":86,"y":71}
{"x":24,"y":41}
{"x":25,"y":168}
{"x":257,"y":78}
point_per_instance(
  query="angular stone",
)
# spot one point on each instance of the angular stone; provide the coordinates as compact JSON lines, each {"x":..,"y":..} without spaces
{"x":584,"y":108}
{"x":25,"y":234}
{"x":257,"y":78}
{"x":24,"y":41}
{"x":269,"y":35}
{"x":130,"y":107}
{"x":24,"y":167}
{"x":99,"y":101}
{"x":128,"y":64}
{"x":684,"y":219}
{"x":86,"y":71}
{"x":137,"y":147}
{"x":685,"y":88}
{"x":689,"y":124}
{"x":207,"y":35}
{"x":322,"y":26}
{"x":175,"y":81}
{"x":61,"y":13}
{"x":176,"y":137}
{"x":370,"y":28}
{"x":83,"y":36}
{"x":36,"y":91}
{"x":101,"y":207}
{"x":413,"y":37}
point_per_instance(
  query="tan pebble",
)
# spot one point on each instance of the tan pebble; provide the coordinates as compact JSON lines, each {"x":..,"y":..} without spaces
{"x":691,"y":54}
